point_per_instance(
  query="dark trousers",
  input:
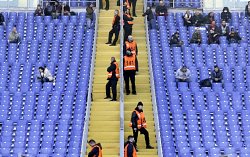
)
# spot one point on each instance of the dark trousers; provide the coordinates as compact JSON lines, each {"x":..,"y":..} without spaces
{"x":129,"y":74}
{"x":111,"y":84}
{"x":133,"y":2}
{"x":115,"y":31}
{"x":142,"y":131}
{"x":107,"y":4}
{"x":127,"y":32}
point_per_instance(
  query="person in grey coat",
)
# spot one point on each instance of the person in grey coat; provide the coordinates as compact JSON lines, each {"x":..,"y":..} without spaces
{"x":14,"y":36}
{"x":89,"y":15}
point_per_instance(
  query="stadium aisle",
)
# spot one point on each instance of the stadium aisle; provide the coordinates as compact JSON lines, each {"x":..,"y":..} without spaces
{"x":104,"y":126}
{"x":142,"y":88}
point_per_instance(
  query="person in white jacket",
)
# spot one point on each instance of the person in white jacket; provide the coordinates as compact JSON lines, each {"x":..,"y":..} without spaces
{"x":45,"y":75}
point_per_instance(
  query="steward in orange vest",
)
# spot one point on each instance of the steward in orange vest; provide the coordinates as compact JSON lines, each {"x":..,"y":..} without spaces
{"x":129,"y":66}
{"x":128,"y":24}
{"x":138,"y":123}
{"x":130,"y":44}
{"x":113,"y":76}
{"x":129,"y":148}
{"x":115,"y":29}
{"x":96,"y":149}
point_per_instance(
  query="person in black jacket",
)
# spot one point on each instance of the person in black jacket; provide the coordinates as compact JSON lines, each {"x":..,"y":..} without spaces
{"x":129,"y":147}
{"x":213,"y":34}
{"x":197,"y":19}
{"x":48,"y":9}
{"x":2,"y":21}
{"x":39,"y":10}
{"x":187,"y":18}
{"x":209,"y":18}
{"x":161,"y":9}
{"x":216,"y":75}
{"x":233,"y":37}
{"x":115,"y":29}
{"x":134,"y":124}
{"x":112,"y":80}
{"x":175,"y":41}
{"x":96,"y":149}
{"x":226,"y":15}
{"x":224,"y":29}
{"x":128,"y":24}
{"x":247,"y":9}
{"x":150,"y":18}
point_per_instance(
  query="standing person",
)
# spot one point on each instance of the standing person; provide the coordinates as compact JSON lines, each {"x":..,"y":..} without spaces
{"x":2,"y":21}
{"x":187,"y":17}
{"x":150,"y":18}
{"x":128,"y":24}
{"x":247,"y":9}
{"x":196,"y":37}
{"x":115,"y":29}
{"x":113,"y":76}
{"x":161,"y":9}
{"x":45,"y":75}
{"x":129,"y":148}
{"x":131,"y":45}
{"x":96,"y":149}
{"x":133,"y":3}
{"x":89,"y":15}
{"x":14,"y":36}
{"x":39,"y":10}
{"x":138,"y":123}
{"x":216,"y":75}
{"x":224,"y":29}
{"x":129,"y":71}
{"x":226,"y":15}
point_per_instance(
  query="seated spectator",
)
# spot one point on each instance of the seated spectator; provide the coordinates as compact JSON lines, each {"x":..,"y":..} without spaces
{"x":213,"y":34}
{"x":233,"y":37}
{"x":161,"y":9}
{"x":39,"y":10}
{"x":14,"y":36}
{"x":150,"y":18}
{"x":197,"y":19}
{"x":226,"y":15}
{"x":187,"y":19}
{"x":196,"y":37}
{"x":2,"y":21}
{"x":45,"y":75}
{"x":209,"y":18}
{"x":89,"y":15}
{"x":57,"y":10}
{"x":175,"y":41}
{"x":247,"y":9}
{"x":216,"y":75}
{"x":48,"y":9}
{"x":224,"y":29}
{"x":66,"y":9}
{"x":182,"y":75}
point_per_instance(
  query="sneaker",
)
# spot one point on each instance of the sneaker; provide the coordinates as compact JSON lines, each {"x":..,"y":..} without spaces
{"x":149,"y":147}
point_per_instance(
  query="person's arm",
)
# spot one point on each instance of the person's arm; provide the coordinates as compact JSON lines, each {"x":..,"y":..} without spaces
{"x":188,"y":74}
{"x":146,"y":13}
{"x":213,"y":75}
{"x":220,"y":76}
{"x":177,"y":75}
{"x":130,"y":150}
{"x":238,"y":36}
{"x":134,"y":120}
{"x":94,"y":152}
{"x":165,"y":10}
{"x":111,"y":68}
{"x":230,"y":15}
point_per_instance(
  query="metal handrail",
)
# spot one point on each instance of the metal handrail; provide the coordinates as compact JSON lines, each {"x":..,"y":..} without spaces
{"x":152,"y":85}
{"x":89,"y":99}
{"x":121,"y":83}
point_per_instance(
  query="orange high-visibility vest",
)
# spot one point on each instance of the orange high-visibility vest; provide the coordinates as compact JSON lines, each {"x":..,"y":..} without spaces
{"x":126,"y":151}
{"x":141,"y":122}
{"x":100,"y":150}
{"x":117,"y":71}
{"x":131,"y":46}
{"x":129,"y":63}
{"x":129,"y":22}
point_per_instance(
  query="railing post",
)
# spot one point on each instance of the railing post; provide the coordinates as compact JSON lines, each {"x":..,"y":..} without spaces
{"x":121,"y":83}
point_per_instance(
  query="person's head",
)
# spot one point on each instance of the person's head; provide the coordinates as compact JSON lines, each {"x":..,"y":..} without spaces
{"x":211,"y":14}
{"x":213,"y":23}
{"x":223,"y":23}
{"x":225,"y":9}
{"x":128,"y":53}
{"x":112,"y":59}
{"x":92,"y":142}
{"x":232,"y":30}
{"x":91,"y":5}
{"x":184,"y":69}
{"x":197,"y":30}
{"x":197,"y":13}
{"x":216,"y":68}
{"x":38,"y":6}
{"x":41,"y":69}
{"x":188,"y":12}
{"x":148,"y":7}
{"x":116,"y":12}
{"x":14,"y":29}
{"x":161,"y":3}
{"x":140,"y":105}
{"x":177,"y":34}
{"x":248,"y":2}
{"x":130,"y":38}
{"x":131,"y":138}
